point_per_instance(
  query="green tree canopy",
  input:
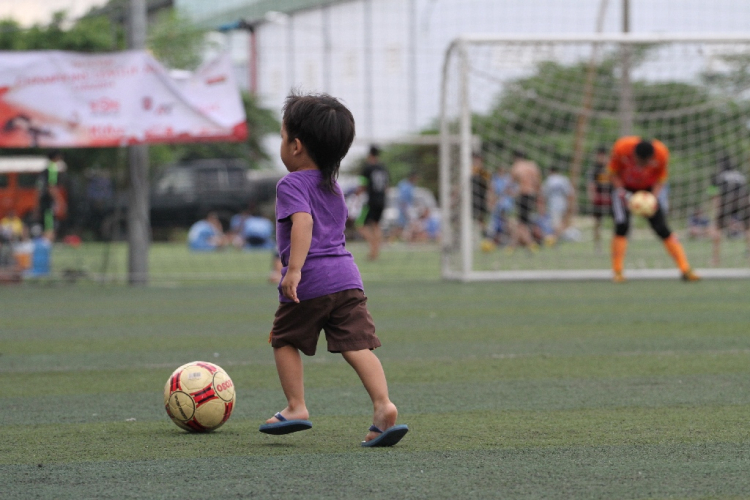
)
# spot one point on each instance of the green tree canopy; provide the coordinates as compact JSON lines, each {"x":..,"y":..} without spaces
{"x":176,"y":43}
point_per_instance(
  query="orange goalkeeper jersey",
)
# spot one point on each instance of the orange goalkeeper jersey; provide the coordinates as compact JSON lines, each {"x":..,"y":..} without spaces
{"x":623,"y":164}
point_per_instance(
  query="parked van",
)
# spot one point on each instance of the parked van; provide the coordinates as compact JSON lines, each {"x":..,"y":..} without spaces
{"x":18,"y":186}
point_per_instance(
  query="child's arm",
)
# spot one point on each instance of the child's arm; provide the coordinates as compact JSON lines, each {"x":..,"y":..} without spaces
{"x":302,"y":226}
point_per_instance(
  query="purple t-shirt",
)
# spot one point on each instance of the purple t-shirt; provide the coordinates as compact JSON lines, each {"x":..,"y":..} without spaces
{"x":329,"y":267}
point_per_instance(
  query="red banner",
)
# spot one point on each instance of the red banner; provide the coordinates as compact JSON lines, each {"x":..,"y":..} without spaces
{"x":65,"y":99}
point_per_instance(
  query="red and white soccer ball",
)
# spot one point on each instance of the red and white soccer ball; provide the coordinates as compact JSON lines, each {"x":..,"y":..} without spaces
{"x":643,"y":203}
{"x":199,"y":396}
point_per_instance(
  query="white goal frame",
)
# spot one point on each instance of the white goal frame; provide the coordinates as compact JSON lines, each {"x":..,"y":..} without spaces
{"x":462,"y":268}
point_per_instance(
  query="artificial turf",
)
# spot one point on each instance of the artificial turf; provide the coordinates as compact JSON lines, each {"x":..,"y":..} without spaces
{"x":511,"y":390}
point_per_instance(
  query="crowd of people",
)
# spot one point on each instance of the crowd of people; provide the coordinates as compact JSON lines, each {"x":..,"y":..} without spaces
{"x":415,"y":220}
{"x":518,"y":206}
{"x":514,"y":206}
{"x":248,"y":230}
{"x":25,"y":244}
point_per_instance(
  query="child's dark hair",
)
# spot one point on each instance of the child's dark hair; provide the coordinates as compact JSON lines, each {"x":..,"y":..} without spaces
{"x":324,"y":126}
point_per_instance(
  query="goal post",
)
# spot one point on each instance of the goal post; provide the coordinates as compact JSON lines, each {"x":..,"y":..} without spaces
{"x":558,"y":98}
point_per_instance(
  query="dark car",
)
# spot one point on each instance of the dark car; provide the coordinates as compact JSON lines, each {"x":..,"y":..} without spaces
{"x":185,"y":192}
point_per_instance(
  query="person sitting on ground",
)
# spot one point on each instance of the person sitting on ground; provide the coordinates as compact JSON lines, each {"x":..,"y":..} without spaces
{"x":699,"y":225}
{"x":207,"y":234}
{"x":559,"y":198}
{"x":257,"y":232}
{"x":12,"y":225}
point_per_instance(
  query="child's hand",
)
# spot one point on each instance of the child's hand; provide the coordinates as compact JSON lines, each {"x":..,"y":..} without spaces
{"x":289,"y":284}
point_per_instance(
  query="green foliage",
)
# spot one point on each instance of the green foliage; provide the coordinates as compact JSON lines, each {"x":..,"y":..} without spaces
{"x":735,"y":81}
{"x":260,"y":122}
{"x":548,"y":103}
{"x":176,"y":41}
{"x":89,"y":34}
{"x":9,"y":35}
{"x":401,"y":159}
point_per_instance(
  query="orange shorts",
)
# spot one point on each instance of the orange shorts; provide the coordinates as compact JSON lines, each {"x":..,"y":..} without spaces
{"x":342,"y":315}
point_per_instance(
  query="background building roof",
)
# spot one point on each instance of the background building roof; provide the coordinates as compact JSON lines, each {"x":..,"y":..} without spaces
{"x":209,"y":15}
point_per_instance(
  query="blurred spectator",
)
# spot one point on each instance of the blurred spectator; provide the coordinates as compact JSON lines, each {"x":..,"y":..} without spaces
{"x":698,"y":224}
{"x":251,"y":231}
{"x":376,"y":181}
{"x":731,"y":203}
{"x":23,"y":251}
{"x":99,"y":196}
{"x":257,"y":233}
{"x":207,"y":234}
{"x":51,"y":201}
{"x":559,"y":198}
{"x":599,"y":190}
{"x":235,"y":227}
{"x":405,"y":190}
{"x":501,"y":203}
{"x":528,"y":178}
{"x":6,"y":250}
{"x":426,"y":227}
{"x":356,"y":201}
{"x":12,"y":226}
{"x":480,"y":180}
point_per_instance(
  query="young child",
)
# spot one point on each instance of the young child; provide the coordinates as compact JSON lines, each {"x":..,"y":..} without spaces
{"x":321,"y":287}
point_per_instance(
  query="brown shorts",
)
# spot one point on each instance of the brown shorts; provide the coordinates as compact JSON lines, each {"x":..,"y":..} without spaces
{"x":342,"y":315}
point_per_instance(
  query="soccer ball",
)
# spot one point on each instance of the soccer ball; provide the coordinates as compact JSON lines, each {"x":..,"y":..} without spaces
{"x":199,"y":396}
{"x":643,"y":203}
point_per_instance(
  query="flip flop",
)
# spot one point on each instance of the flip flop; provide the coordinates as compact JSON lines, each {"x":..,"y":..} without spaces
{"x":389,"y":437}
{"x":284,"y":426}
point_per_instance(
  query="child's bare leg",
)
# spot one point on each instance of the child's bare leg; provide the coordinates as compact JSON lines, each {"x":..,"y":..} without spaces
{"x":370,"y":371}
{"x":289,"y":367}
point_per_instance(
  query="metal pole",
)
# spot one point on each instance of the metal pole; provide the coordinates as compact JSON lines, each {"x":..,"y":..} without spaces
{"x":447,"y":237}
{"x":138,"y":207}
{"x":327,"y":49}
{"x":253,"y":62}
{"x":367,"y":32}
{"x":587,"y":106}
{"x":626,"y":90}
{"x":413,"y":66}
{"x":290,"y":49}
{"x":467,"y":247}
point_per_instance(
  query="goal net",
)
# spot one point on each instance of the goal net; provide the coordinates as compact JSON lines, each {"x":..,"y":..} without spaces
{"x":557,"y":100}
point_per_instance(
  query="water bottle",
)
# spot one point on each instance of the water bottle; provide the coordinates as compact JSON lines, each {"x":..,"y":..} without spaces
{"x":40,"y":257}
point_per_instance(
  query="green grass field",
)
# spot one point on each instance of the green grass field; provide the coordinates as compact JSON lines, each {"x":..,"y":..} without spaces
{"x":511,"y":390}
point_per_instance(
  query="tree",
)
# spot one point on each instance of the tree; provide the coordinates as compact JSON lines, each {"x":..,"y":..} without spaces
{"x":176,"y":42}
{"x":260,"y":122}
{"x":698,"y":121}
{"x":85,"y":35}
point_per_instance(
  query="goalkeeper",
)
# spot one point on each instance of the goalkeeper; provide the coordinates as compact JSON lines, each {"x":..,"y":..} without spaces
{"x":638,"y":164}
